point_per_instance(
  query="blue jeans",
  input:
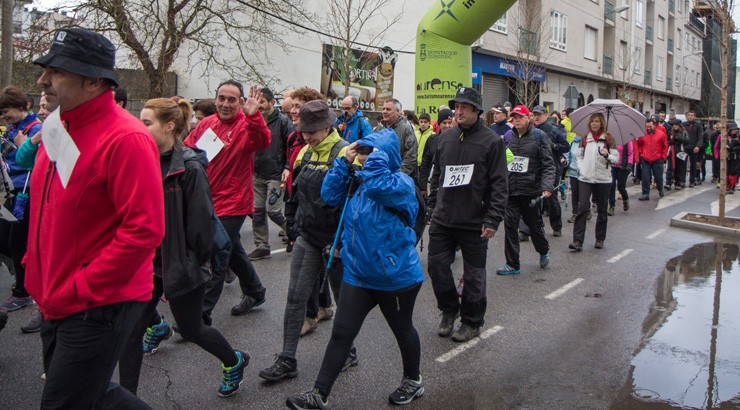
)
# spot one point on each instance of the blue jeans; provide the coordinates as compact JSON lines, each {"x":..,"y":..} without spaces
{"x":650,"y":170}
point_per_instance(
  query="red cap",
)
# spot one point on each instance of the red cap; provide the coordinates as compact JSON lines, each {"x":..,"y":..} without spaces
{"x":521,"y":110}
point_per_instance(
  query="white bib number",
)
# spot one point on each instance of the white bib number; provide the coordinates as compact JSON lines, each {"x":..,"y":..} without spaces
{"x":458,"y":175}
{"x":519,"y":164}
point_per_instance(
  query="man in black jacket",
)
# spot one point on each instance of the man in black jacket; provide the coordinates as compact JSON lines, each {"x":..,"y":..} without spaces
{"x":270,"y":172}
{"x":467,"y":201}
{"x":531,"y":175}
{"x":694,"y":147}
{"x":677,"y":156}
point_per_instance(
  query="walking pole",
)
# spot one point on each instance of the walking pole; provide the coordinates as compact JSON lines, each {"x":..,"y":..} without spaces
{"x":341,"y":219}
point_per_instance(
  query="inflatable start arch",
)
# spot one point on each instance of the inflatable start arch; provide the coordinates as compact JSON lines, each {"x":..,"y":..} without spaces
{"x":443,"y":53}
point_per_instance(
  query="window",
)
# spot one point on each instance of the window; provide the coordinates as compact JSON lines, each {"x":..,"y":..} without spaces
{"x":528,"y":41}
{"x":692,"y":78}
{"x":686,"y":38}
{"x":589,"y":49}
{"x":558,"y":30}
{"x":661,"y":27}
{"x":679,"y":39}
{"x":678,"y":5}
{"x":678,"y":75}
{"x":639,"y":13}
{"x":623,"y":55}
{"x":686,"y":75}
{"x":698,"y":79}
{"x":637,"y":63}
{"x":660,"y":70}
{"x":501,"y":25}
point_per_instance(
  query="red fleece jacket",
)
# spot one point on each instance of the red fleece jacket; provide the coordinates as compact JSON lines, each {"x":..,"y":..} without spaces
{"x":230,"y":172}
{"x":653,"y":147}
{"x":92,"y":243}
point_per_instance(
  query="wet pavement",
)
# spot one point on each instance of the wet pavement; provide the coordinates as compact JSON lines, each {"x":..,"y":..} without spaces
{"x":690,"y":354}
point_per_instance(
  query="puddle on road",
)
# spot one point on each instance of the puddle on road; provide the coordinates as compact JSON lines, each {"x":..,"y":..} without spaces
{"x":690,"y":354}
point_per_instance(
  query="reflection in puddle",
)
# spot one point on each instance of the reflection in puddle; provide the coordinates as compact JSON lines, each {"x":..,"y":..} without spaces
{"x":690,"y":354}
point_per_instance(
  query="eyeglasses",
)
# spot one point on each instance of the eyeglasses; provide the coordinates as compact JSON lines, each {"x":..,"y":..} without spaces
{"x":345,"y":108}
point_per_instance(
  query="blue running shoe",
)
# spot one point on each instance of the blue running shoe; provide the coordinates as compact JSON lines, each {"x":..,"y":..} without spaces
{"x":154,"y":336}
{"x":234,"y":375}
{"x":508,"y":270}
{"x":544,"y":260}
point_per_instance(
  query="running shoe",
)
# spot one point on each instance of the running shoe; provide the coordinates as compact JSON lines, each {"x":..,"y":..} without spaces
{"x":284,"y":367}
{"x":14,"y":303}
{"x":351,"y":360}
{"x":310,"y":400}
{"x":234,"y":375}
{"x":154,"y":336}
{"x":407,"y":391}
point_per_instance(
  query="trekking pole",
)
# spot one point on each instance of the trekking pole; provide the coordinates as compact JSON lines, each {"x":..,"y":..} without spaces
{"x":341,"y":218}
{"x":539,"y":199}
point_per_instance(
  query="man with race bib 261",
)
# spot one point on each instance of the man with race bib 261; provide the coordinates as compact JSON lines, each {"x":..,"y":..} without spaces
{"x":467,"y":201}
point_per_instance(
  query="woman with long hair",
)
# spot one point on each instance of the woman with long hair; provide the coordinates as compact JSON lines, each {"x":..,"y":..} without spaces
{"x":595,"y":158}
{"x":181,"y":262}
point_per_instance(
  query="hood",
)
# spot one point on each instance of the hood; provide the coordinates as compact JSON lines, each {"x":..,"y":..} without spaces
{"x":385,"y":140}
{"x":195,"y":154}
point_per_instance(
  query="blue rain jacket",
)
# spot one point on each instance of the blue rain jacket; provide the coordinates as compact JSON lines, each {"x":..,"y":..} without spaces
{"x":378,"y":248}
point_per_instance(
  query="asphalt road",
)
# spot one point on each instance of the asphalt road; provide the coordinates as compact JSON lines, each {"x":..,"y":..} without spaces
{"x":556,"y":338}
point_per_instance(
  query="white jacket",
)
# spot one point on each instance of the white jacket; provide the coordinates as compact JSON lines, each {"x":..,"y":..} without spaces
{"x":592,"y":166}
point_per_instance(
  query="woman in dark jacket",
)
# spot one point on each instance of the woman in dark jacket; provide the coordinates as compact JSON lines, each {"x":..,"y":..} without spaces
{"x":181,"y":262}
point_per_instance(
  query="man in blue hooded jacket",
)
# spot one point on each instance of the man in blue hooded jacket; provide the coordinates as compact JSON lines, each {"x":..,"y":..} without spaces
{"x":352,"y":124}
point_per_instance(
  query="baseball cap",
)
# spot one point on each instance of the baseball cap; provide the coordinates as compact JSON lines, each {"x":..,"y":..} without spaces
{"x":81,"y":52}
{"x":538,"y":109}
{"x":520,"y":110}
{"x":498,"y":108}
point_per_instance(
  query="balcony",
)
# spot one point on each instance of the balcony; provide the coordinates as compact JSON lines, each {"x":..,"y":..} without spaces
{"x":696,"y":23}
{"x":648,"y":77}
{"x":649,"y":33}
{"x":670,"y":45}
{"x":608,"y":67}
{"x":669,"y":84}
{"x":609,"y":13}
{"x":672,"y":6}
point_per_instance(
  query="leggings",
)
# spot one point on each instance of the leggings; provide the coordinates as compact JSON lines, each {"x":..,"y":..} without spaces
{"x":619,"y":183}
{"x":353,"y":306}
{"x":186,"y":310}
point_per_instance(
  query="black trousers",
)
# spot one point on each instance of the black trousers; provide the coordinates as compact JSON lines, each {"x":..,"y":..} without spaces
{"x":619,"y":183}
{"x":694,"y":171}
{"x":186,"y":310}
{"x":574,"y":194}
{"x":554,"y":214}
{"x":354,"y":304}
{"x":239,"y":263}
{"x":600,"y":194}
{"x":676,"y":170}
{"x":443,"y":242}
{"x":518,"y":208}
{"x":80,"y":353}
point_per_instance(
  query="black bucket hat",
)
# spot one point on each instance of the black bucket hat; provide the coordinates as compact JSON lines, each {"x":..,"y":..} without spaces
{"x":315,"y":115}
{"x":469,"y":96}
{"x":81,"y":52}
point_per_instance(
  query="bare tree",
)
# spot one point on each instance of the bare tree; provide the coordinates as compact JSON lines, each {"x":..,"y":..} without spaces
{"x":232,"y":36}
{"x":356,"y":20}
{"x":7,"y":43}
{"x":532,"y":44}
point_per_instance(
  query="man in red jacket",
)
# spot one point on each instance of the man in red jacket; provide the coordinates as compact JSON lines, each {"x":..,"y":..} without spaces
{"x":239,"y":129}
{"x":654,"y":149}
{"x":94,"y":229}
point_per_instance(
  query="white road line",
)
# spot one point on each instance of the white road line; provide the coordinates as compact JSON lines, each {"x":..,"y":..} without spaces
{"x":680,"y":196}
{"x":278,"y":251}
{"x":655,"y":234}
{"x":620,"y":255}
{"x":564,"y":289}
{"x":465,"y":346}
{"x":731,"y":202}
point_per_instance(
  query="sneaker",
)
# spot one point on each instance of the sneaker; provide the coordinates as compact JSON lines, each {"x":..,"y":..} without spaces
{"x":557,"y":233}
{"x":351,"y":360}
{"x":310,"y":400}
{"x":447,"y":323}
{"x":282,"y":234}
{"x":572,"y":219}
{"x":508,"y":270}
{"x":289,"y":247}
{"x":644,"y":198}
{"x":626,"y":205}
{"x":465,"y":333}
{"x":691,"y":184}
{"x":230,"y":276}
{"x":246,"y":305}
{"x":544,"y":260}
{"x":678,"y":187}
{"x":325,"y":313}
{"x":599,"y":245}
{"x":662,"y":194}
{"x":234,"y":375}
{"x":284,"y":367}
{"x":154,"y":336}
{"x":523,"y":237}
{"x":407,"y":391}
{"x":576,"y":246}
{"x":34,"y":323}
{"x":309,"y":325}
{"x":610,"y":211}
{"x":667,"y":187}
{"x":14,"y":303}
{"x":258,"y":254}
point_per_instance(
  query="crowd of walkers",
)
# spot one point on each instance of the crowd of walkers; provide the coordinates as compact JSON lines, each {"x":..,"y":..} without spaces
{"x":151,"y":209}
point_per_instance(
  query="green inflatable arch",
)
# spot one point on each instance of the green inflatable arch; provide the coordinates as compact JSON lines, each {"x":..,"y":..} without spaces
{"x":443,"y":53}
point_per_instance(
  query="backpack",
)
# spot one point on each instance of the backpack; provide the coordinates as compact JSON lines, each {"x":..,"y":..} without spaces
{"x":333,"y":154}
{"x":537,"y":137}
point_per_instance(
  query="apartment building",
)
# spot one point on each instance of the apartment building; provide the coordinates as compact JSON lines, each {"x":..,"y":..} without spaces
{"x":647,"y":53}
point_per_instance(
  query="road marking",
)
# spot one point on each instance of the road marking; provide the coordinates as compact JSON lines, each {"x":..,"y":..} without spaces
{"x":620,"y":255}
{"x":731,"y":202}
{"x":655,"y":234}
{"x":564,"y":289}
{"x":465,"y":346}
{"x":278,"y":251}
{"x":680,"y":196}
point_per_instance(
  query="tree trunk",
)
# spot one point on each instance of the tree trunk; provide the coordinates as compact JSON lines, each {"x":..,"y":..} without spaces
{"x":724,"y":42}
{"x":347,"y":46}
{"x":6,"y":56}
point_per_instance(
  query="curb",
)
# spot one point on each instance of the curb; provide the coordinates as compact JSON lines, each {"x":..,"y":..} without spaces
{"x":679,"y":222}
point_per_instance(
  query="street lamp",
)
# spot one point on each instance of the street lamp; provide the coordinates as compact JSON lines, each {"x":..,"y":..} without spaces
{"x":621,"y":8}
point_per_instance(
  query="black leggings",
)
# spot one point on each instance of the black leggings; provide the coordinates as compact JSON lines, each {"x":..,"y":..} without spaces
{"x":186,"y":310}
{"x":353,"y":306}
